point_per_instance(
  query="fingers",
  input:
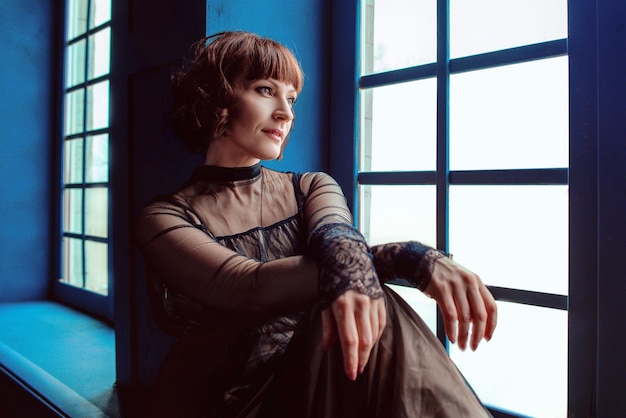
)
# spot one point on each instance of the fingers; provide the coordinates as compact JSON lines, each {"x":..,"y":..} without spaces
{"x":449,"y":312}
{"x":359,"y":323}
{"x":492,"y":312}
{"x":479,"y":317}
{"x":348,"y":335}
{"x":367,"y":329}
{"x":465,"y":302}
{"x":464,"y":316}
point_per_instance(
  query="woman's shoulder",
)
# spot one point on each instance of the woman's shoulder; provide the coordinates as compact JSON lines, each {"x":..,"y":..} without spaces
{"x":304,"y":180}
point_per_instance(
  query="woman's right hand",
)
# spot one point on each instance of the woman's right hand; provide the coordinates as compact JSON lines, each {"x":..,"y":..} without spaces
{"x":464,"y":300}
{"x":358,"y":321}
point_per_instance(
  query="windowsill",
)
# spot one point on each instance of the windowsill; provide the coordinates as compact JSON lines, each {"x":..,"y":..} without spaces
{"x":63,"y":357}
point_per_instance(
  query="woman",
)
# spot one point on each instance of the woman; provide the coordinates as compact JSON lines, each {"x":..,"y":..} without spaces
{"x":275,"y":297}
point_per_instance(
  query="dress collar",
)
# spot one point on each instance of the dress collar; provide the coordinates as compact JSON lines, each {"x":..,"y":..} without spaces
{"x":226,"y":174}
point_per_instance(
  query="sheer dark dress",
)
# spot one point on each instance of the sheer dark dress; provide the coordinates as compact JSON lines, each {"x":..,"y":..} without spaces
{"x":241,"y":260}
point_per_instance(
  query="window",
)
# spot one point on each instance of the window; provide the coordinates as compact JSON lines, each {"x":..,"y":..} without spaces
{"x":463,"y":144}
{"x":85,"y":237}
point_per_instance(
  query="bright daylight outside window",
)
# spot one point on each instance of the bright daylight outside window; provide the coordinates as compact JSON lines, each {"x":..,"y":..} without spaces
{"x":464,"y":144}
{"x":85,"y":207}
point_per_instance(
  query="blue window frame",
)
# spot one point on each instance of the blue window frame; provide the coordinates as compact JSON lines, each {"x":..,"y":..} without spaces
{"x":85,"y":239}
{"x":444,"y":180}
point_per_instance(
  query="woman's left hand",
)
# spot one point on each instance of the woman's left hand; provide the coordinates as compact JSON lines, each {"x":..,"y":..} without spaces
{"x":463,"y":299}
{"x":357,"y":320}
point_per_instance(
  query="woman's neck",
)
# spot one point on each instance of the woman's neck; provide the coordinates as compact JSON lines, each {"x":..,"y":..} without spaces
{"x":217,"y":156}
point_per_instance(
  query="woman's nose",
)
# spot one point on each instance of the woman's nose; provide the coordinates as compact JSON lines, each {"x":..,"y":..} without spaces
{"x":284,"y":111}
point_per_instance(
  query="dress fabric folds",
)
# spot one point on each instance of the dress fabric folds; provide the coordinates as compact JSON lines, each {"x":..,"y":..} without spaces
{"x":221,"y":279}
{"x":408,"y":375}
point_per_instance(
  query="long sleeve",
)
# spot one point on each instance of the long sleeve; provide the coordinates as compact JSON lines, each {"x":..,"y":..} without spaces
{"x":410,"y":260}
{"x":342,"y":255}
{"x":191,"y":261}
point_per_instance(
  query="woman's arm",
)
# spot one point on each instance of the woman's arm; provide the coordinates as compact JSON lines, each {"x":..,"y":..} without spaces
{"x":196,"y":265}
{"x":410,"y":260}
{"x":348,"y":283}
{"x":461,"y":295}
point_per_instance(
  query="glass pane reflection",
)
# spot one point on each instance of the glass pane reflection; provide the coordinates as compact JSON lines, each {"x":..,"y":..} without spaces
{"x":399,"y":127}
{"x":512,"y":236}
{"x":480,"y":26}
{"x":76,"y":18}
{"x":74,"y":111}
{"x":100,"y":12}
{"x":97,"y":169}
{"x":524,"y":367}
{"x":73,"y":211}
{"x":75,"y":64}
{"x":73,"y":161}
{"x":516,"y":116}
{"x":96,"y":267}
{"x":386,"y":47}
{"x":99,"y":53}
{"x":398,"y":213}
{"x":98,"y":106}
{"x":72,"y":262}
{"x":96,"y":211}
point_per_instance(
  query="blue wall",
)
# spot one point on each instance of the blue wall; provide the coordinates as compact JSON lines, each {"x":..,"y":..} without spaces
{"x":26,"y":131}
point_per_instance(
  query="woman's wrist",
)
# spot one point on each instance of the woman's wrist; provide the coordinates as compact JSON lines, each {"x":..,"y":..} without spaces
{"x":426,"y":267}
{"x":410,"y":260}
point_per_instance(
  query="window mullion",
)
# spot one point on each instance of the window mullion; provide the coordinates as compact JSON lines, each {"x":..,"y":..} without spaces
{"x":84,"y":156}
{"x":443,"y":134}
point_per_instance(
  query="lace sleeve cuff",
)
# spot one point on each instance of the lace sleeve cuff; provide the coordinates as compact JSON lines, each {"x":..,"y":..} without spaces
{"x":344,"y":261}
{"x":409,"y":260}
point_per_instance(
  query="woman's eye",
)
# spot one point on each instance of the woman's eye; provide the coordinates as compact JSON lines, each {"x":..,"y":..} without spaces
{"x":292,"y":100}
{"x":265,"y":90}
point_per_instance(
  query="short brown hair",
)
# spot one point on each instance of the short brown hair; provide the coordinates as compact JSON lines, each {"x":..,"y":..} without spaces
{"x":203,"y":93}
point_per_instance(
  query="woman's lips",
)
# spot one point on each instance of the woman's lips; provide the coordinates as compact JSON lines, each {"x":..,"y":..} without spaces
{"x":275,"y":133}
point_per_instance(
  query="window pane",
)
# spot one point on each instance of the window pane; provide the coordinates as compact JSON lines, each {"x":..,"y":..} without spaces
{"x":512,"y":236}
{"x":72,"y":262}
{"x":99,"y":53}
{"x":73,"y":161}
{"x":96,"y":267}
{"x":524,"y":367}
{"x":514,"y":116}
{"x":73,"y":211}
{"x":425,"y":307}
{"x":97,"y":158}
{"x":385,"y":46}
{"x":74,"y":111}
{"x":383,"y":219}
{"x":98,"y":106}
{"x":100,"y":12}
{"x":479,"y":26}
{"x":75,"y":64}
{"x":399,"y":127}
{"x":96,"y":211}
{"x":76,"y":18}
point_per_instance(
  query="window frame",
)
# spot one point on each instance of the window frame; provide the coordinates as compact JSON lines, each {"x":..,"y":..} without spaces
{"x":581,"y":176}
{"x":96,"y":304}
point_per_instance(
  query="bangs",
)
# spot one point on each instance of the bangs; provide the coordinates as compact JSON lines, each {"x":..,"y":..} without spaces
{"x":278,"y":62}
{"x":272,"y":60}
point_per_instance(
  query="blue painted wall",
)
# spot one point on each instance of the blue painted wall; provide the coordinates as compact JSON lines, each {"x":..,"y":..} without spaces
{"x":304,"y":27}
{"x":26,"y":132}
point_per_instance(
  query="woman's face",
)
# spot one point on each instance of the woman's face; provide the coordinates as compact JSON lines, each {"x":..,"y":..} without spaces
{"x":259,"y":122}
